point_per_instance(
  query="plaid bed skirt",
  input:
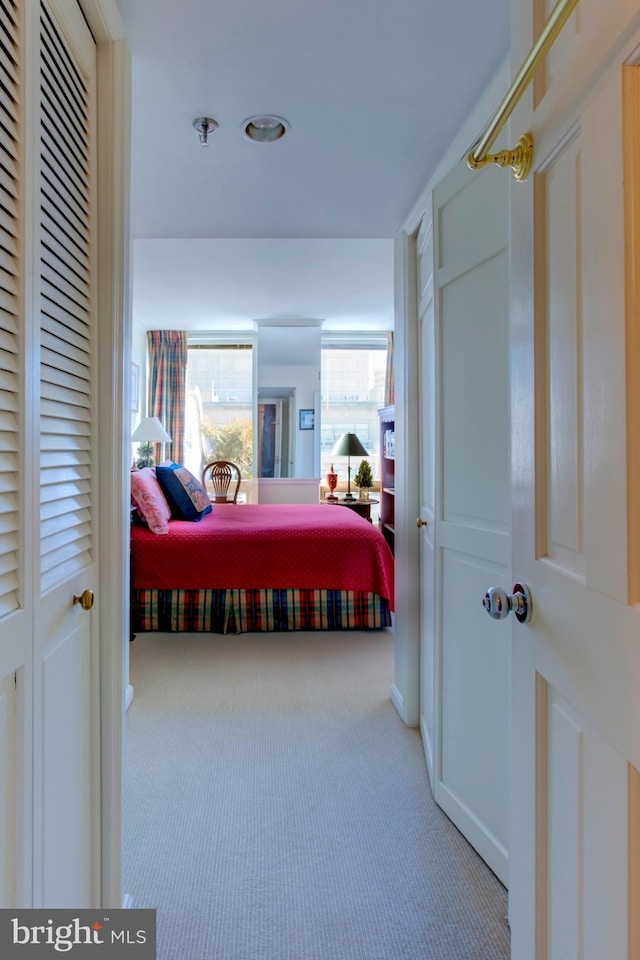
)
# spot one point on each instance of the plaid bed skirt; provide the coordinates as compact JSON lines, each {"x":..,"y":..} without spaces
{"x":242,"y":611}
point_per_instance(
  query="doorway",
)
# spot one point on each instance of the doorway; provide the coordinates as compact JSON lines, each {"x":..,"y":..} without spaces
{"x":275,"y":437}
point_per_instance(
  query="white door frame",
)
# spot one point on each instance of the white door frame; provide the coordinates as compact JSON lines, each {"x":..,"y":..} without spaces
{"x":114,"y":106}
{"x":114,"y":384}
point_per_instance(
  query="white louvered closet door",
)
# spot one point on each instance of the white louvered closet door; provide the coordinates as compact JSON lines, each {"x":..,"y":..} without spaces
{"x":16,"y":621}
{"x":66,"y":704}
{"x":49,"y":691}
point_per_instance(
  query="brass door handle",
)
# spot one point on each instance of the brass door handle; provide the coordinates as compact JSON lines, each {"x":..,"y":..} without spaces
{"x":85,"y":599}
{"x":421,"y":523}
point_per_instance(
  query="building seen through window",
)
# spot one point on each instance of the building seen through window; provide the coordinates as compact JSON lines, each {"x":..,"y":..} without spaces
{"x":352,"y":393}
{"x":219,"y":406}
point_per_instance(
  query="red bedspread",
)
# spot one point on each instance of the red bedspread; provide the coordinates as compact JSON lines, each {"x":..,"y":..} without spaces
{"x":255,"y":546}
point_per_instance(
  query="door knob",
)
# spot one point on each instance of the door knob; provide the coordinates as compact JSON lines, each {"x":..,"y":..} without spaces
{"x":85,"y":599}
{"x":499,"y":604}
{"x":421,"y":523}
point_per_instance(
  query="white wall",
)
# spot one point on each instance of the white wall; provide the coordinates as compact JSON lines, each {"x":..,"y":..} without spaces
{"x":287,"y":490}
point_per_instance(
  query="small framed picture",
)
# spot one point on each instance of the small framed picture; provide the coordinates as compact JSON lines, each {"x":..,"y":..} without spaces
{"x":307,"y":418}
{"x":135,"y":387}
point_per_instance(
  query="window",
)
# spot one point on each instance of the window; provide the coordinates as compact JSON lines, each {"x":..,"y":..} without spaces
{"x":353,"y":374}
{"x":219,"y":404}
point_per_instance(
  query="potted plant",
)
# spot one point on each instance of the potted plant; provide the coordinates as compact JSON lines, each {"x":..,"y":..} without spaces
{"x":144,"y":456}
{"x":364,"y":479}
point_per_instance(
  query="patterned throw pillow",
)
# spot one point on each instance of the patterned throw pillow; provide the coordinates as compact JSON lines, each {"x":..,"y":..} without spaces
{"x":185,"y":494}
{"x":148,"y":497}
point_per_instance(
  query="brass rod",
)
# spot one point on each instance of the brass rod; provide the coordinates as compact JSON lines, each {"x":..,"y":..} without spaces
{"x":557,"y":19}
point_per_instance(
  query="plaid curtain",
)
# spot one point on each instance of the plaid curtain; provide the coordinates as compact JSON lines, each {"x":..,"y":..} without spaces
{"x":389,"y":381}
{"x":167,"y":379}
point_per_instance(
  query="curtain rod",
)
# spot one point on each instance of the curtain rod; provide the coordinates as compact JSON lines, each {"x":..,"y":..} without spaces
{"x":519,"y":159}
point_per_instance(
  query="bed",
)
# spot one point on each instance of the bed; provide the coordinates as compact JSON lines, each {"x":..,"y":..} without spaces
{"x":258,"y":567}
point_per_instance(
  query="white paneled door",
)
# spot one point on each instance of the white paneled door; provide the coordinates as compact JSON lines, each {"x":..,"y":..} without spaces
{"x":49,"y":673}
{"x":575,"y":756}
{"x":472,"y":542}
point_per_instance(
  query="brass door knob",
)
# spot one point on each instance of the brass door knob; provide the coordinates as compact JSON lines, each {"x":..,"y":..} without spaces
{"x":421,"y":523}
{"x":85,"y":599}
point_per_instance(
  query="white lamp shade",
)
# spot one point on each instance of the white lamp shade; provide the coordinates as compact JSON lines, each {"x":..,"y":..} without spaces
{"x":150,"y":430}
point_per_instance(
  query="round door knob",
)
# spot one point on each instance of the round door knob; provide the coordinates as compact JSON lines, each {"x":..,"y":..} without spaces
{"x":85,"y":599}
{"x":499,"y":604}
{"x":421,"y":523}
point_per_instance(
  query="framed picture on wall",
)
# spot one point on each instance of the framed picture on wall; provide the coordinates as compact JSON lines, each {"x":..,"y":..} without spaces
{"x":135,"y":387}
{"x":307,"y":419}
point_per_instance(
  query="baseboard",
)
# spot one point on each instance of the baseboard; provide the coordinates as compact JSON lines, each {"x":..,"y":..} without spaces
{"x":494,"y":853}
{"x":427,"y":746}
{"x":127,"y":902}
{"x":398,"y":701}
{"x":128,"y":697}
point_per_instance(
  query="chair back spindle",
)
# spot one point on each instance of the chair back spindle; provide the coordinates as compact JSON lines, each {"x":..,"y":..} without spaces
{"x":219,"y":475}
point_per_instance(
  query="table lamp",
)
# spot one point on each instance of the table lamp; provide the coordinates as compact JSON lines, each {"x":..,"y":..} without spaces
{"x":349,"y":446}
{"x":148,"y":432}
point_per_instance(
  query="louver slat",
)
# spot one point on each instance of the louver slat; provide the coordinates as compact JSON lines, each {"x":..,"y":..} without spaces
{"x":61,"y":522}
{"x":8,"y":422}
{"x":9,"y":187}
{"x":9,"y":547}
{"x":8,"y":524}
{"x":8,"y":488}
{"x":8,"y":503}
{"x":8,"y":345}
{"x":8,"y":253}
{"x":8,"y":593}
{"x":52,"y":441}
{"x":8,"y":372}
{"x":66,"y":498}
{"x":8,"y":381}
{"x":8,"y":20}
{"x":60,"y":289}
{"x":62,"y":249}
{"x":58,"y":209}
{"x":59,"y":537}
{"x":8,"y":303}
{"x":62,"y":555}
{"x":57,"y":508}
{"x":10,"y":270}
{"x":62,"y":345}
{"x":62,"y":377}
{"x":49,"y":494}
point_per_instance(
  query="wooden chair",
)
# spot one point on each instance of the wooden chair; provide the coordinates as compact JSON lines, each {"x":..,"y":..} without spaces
{"x":221,"y":474}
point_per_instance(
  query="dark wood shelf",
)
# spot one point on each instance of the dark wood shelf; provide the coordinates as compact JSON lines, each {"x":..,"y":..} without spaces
{"x":387,"y":473}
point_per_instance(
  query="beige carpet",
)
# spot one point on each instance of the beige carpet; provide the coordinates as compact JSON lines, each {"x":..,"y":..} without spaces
{"x":277,"y":808}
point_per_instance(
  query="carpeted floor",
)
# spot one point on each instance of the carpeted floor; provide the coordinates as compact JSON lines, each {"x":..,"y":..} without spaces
{"x":277,"y":808}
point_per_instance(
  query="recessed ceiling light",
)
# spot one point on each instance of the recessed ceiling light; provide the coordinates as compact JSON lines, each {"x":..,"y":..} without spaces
{"x":265,"y":128}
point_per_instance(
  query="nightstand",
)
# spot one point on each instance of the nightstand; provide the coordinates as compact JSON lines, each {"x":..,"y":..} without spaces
{"x":361,"y":507}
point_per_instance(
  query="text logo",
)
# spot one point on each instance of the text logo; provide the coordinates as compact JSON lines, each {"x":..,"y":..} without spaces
{"x":27,"y":934}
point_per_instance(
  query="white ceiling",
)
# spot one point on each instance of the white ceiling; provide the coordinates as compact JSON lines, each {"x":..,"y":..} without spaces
{"x":200,"y":284}
{"x":374,"y":92}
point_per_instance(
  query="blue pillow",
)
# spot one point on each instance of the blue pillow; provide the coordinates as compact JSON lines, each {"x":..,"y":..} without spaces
{"x":185,"y":494}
